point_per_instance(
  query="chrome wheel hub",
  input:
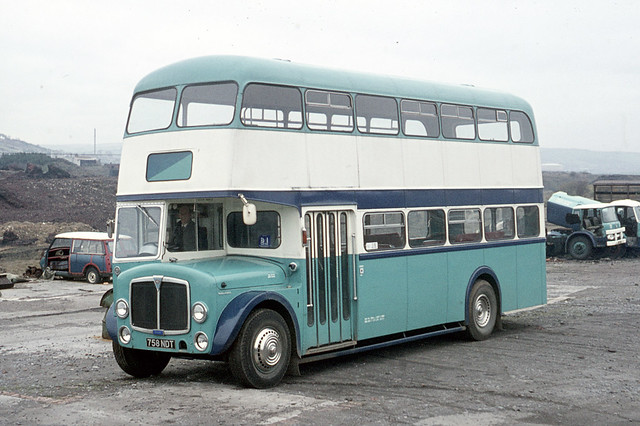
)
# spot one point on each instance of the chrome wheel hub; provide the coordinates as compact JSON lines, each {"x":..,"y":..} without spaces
{"x":482,"y":310}
{"x":267,"y":349}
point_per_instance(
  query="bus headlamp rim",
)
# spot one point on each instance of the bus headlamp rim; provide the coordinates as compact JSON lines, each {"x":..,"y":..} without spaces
{"x":199,"y":312}
{"x":121,"y":308}
{"x":201,"y":341}
{"x":124,"y":335}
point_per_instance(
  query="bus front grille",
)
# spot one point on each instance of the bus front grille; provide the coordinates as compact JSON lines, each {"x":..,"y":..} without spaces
{"x":160,"y":303}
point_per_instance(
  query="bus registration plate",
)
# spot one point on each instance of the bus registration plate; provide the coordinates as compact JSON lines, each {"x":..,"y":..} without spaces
{"x":161,"y":343}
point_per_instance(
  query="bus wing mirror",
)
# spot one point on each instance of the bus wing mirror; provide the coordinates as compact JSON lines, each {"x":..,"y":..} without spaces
{"x":110,"y":228}
{"x":249,"y":214}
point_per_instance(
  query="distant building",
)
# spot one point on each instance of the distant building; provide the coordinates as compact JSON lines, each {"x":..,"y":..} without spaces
{"x":610,"y":190}
{"x":84,"y":161}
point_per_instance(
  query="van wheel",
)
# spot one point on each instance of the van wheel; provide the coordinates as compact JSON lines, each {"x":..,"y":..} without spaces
{"x":580,"y":247}
{"x":139,"y":363}
{"x":261,"y":353}
{"x":92,"y":275}
{"x":482,"y":311}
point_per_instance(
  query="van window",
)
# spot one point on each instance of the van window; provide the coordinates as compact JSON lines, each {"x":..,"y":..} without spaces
{"x":88,"y":247}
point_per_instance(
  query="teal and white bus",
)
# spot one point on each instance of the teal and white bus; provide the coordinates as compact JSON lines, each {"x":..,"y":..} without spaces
{"x":270,"y":213}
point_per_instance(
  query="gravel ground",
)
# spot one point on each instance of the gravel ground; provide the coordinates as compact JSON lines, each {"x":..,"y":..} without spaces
{"x":573,"y":361}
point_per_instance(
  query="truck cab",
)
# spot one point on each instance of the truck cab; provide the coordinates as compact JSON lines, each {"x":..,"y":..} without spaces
{"x":628,"y":212}
{"x":586,"y":226}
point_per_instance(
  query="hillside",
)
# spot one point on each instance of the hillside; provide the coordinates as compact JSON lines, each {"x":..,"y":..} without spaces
{"x":9,"y":145}
{"x":595,"y":162}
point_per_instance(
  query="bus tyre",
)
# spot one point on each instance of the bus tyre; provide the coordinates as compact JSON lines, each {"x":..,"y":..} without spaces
{"x":261,"y":353}
{"x":580,"y":247}
{"x":139,"y":363}
{"x":482,"y":310}
{"x":92,"y":275}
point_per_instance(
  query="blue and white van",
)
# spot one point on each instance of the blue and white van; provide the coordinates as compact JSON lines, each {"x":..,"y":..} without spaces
{"x":84,"y":255}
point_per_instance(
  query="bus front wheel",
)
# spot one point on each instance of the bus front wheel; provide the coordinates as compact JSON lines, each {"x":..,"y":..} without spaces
{"x":261,"y":353}
{"x":140,"y":363}
{"x":482,"y":310}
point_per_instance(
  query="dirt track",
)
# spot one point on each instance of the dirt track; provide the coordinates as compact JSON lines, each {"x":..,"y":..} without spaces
{"x":573,"y":361}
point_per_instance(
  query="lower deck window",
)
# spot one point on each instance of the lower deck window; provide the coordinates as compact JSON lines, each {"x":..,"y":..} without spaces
{"x":265,"y":234}
{"x":384,"y":231}
{"x":464,"y":226}
{"x":426,"y":228}
{"x":499,"y":223}
{"x":528,"y":220}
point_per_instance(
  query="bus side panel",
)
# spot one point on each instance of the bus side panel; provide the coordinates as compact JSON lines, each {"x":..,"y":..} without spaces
{"x":427,"y":290}
{"x":532,"y":280}
{"x":503,"y":262}
{"x":382,"y":297}
{"x":461,"y":265}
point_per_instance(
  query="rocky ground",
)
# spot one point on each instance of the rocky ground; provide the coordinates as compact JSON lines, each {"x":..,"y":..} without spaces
{"x":34,"y":208}
{"x":571,"y":362}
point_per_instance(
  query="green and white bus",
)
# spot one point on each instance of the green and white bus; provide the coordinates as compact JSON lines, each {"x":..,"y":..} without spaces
{"x":270,"y":213}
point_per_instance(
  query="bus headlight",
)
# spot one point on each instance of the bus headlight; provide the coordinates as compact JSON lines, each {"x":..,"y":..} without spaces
{"x":201,"y":341}
{"x":122,"y":309}
{"x":124,"y":335}
{"x":199,"y":312}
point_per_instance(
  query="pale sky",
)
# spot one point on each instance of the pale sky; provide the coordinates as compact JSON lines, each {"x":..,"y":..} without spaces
{"x":68,"y":67}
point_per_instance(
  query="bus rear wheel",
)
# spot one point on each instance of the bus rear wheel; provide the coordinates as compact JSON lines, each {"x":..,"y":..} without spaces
{"x":482,"y":310}
{"x":139,"y":363}
{"x":261,"y":353}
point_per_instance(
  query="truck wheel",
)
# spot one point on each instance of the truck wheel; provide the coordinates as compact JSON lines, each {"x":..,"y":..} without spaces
{"x":580,"y":247}
{"x":482,"y":311}
{"x":139,"y":363}
{"x":92,"y":275}
{"x":261,"y":353}
{"x":617,"y":252}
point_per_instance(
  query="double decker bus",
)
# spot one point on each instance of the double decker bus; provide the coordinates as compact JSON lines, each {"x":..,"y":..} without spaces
{"x":271,"y":213}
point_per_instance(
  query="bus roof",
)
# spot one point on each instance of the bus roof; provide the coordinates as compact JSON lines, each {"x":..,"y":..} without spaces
{"x":244,"y":70}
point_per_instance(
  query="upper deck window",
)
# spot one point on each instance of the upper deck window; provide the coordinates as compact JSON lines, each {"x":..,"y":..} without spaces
{"x":377,"y":114}
{"x":151,"y":110}
{"x":265,"y":105}
{"x":419,"y":119}
{"x":457,"y":122}
{"x":329,"y":111}
{"x":207,"y":105}
{"x":492,"y":125}
{"x":521,"y":129}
